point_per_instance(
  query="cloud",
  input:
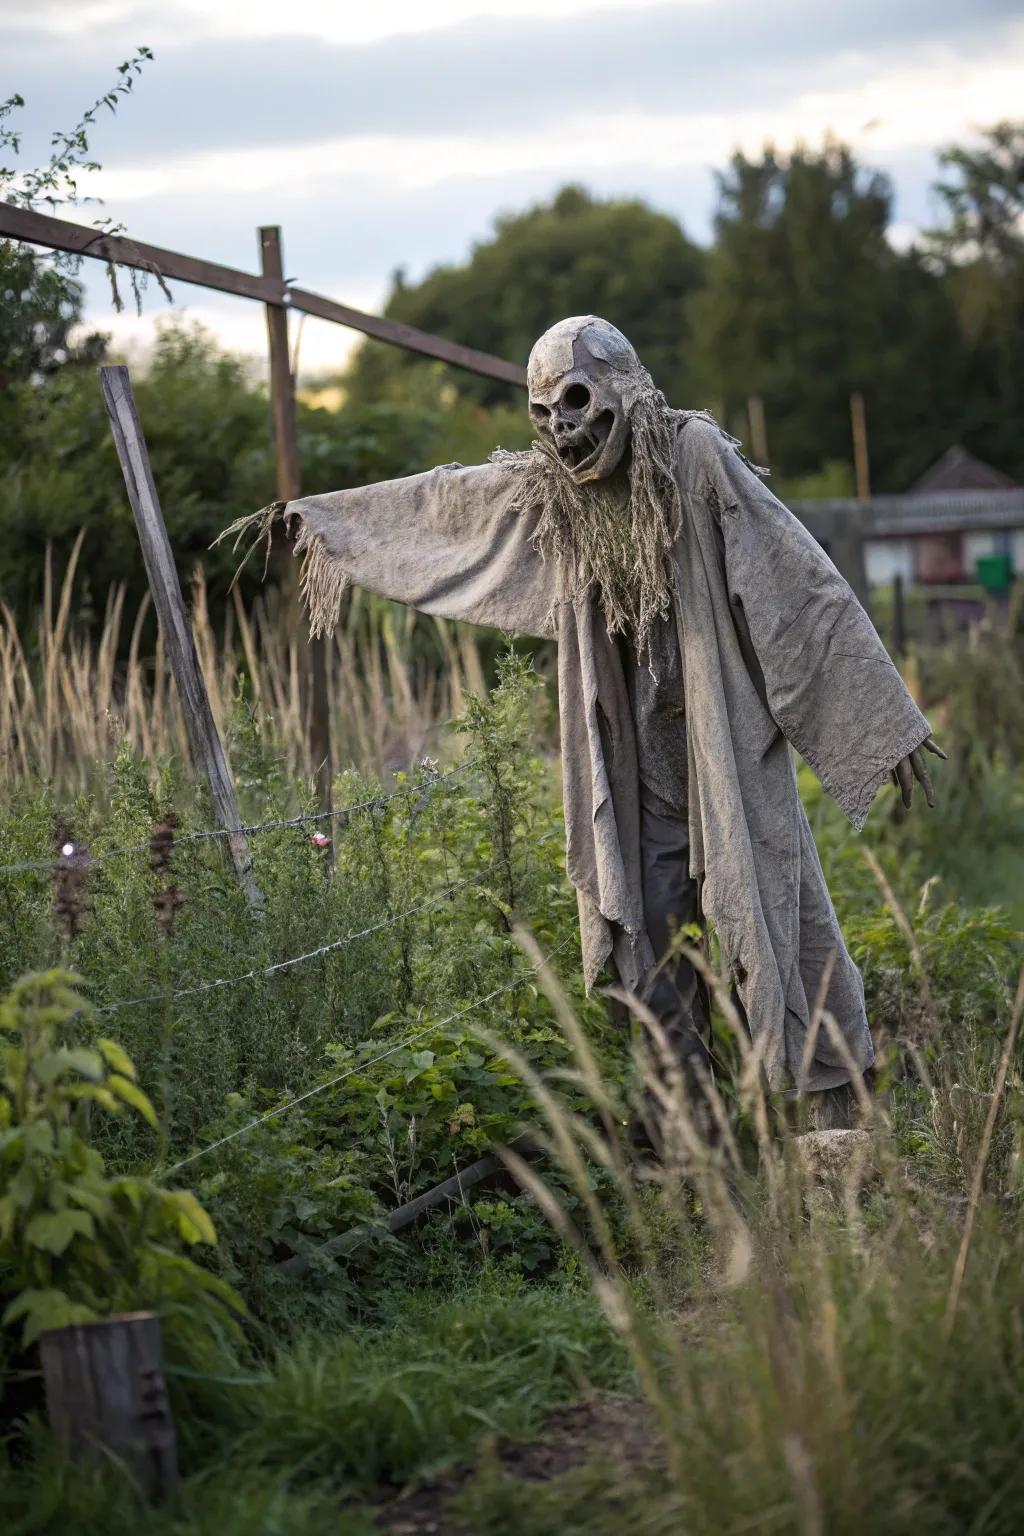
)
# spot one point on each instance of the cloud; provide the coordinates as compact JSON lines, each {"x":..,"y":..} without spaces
{"x":326,"y":19}
{"x":487,"y":76}
{"x":890,"y":110}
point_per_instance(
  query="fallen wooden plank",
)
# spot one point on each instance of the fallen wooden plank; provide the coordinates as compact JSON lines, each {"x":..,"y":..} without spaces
{"x":394,"y":1221}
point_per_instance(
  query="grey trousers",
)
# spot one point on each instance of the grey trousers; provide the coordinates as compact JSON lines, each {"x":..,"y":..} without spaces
{"x":671,"y":899}
{"x":676,"y":994}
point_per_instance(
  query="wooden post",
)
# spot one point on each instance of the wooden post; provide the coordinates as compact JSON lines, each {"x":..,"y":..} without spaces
{"x":899,"y":618}
{"x":758,"y":429}
{"x":204,"y":738}
{"x":282,"y":385}
{"x":286,"y":439}
{"x":106,"y":1396}
{"x":861,"y":464}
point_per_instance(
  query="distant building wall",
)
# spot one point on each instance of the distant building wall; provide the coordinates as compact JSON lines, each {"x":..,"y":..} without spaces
{"x":885,"y":559}
{"x":935,"y":536}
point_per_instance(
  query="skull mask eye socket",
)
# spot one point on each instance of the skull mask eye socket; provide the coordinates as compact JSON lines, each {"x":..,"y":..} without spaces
{"x":576,"y":397}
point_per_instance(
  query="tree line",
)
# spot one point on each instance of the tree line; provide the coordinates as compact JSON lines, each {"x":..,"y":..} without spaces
{"x":800,"y":299}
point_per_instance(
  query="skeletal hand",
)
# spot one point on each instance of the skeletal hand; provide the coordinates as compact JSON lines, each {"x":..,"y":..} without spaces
{"x":910,"y":768}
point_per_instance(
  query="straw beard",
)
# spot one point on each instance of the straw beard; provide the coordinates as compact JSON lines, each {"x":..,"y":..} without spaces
{"x":614,"y":536}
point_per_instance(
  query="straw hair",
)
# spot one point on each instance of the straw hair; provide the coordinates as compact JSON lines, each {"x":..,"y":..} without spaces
{"x":615,"y":536}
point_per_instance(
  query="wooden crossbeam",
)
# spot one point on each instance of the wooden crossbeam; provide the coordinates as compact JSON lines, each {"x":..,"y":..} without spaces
{"x":78,"y":239}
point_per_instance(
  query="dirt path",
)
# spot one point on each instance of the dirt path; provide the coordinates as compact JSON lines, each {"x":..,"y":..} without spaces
{"x":615,"y":1428}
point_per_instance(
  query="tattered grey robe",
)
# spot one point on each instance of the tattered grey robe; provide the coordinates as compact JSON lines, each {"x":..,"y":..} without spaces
{"x":775,"y":648}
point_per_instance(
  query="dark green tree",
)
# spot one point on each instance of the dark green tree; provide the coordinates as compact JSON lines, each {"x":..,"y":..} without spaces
{"x":806,"y":301}
{"x":980,"y":248}
{"x":575,"y":255}
{"x":39,"y":307}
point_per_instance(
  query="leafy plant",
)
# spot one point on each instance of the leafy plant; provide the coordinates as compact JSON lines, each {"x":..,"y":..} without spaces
{"x":75,"y":1243}
{"x":55,"y":183}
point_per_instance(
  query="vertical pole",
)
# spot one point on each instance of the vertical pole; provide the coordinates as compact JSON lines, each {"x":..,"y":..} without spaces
{"x":203,"y":736}
{"x":758,"y":429}
{"x":861,"y":465}
{"x":899,"y":617}
{"x":286,"y":440}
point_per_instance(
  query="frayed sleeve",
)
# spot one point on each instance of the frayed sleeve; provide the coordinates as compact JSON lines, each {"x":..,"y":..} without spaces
{"x":829,"y":682}
{"x":449,"y":542}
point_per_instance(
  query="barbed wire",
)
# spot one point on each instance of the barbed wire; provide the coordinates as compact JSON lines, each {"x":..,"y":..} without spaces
{"x":430,"y":1028}
{"x":284,"y":965}
{"x":83,"y":859}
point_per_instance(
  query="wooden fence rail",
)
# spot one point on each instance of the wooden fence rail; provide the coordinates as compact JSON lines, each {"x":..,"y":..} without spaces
{"x":78,"y":239}
{"x":272,"y":289}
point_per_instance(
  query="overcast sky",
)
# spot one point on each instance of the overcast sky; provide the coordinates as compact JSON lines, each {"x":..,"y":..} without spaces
{"x":389,"y":134}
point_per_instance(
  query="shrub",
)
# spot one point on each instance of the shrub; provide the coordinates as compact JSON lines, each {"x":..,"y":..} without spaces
{"x":77,"y":1244}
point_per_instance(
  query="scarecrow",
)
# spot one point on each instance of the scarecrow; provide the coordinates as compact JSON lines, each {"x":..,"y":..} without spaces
{"x":701,"y":630}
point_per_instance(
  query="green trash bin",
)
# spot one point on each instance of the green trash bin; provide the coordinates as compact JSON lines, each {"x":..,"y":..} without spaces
{"x":995,"y":573}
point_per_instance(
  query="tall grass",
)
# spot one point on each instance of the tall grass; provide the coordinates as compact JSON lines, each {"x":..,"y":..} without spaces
{"x":70,"y":694}
{"x":854,"y":1358}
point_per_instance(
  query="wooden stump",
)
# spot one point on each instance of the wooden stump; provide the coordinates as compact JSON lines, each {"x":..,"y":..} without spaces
{"x":107,"y":1398}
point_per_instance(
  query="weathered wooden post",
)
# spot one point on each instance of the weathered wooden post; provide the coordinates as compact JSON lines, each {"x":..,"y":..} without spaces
{"x":286,"y":438}
{"x":204,"y":738}
{"x":861,"y":463}
{"x":106,"y":1396}
{"x":758,"y":429}
{"x":899,"y":618}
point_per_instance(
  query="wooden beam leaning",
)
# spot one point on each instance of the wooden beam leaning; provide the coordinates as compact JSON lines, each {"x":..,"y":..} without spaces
{"x":62,"y":235}
{"x":204,"y":738}
{"x":451,"y":1190}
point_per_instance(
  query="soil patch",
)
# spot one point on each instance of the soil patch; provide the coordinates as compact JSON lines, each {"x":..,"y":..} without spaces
{"x":615,"y":1428}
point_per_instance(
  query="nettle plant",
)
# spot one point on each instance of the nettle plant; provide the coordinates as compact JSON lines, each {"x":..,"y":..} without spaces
{"x":75,"y":1244}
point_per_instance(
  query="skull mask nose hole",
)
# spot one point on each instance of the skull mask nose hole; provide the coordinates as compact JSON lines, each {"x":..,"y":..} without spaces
{"x":576,"y":397}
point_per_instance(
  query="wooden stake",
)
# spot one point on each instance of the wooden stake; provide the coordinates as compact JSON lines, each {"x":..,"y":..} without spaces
{"x":204,"y":738}
{"x":106,"y":1396}
{"x":282,"y":385}
{"x":861,"y":465}
{"x":758,"y":429}
{"x":286,"y":439}
{"x":899,"y":620}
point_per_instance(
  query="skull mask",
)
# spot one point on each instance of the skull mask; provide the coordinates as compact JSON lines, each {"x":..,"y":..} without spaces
{"x":583,"y":378}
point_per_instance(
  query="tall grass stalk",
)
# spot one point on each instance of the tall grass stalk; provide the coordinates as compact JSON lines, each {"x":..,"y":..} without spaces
{"x":69,"y":694}
{"x":818,"y":1285}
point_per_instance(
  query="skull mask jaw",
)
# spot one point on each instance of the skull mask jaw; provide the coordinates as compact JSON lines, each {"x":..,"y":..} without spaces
{"x":581,"y":412}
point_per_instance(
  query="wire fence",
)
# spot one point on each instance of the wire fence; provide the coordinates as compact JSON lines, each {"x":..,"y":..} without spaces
{"x":73,"y":856}
{"x":431,"y":1027}
{"x":312,"y":954}
{"x":80,"y":860}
